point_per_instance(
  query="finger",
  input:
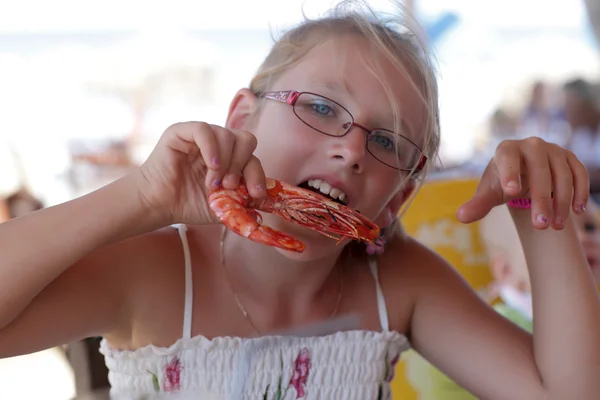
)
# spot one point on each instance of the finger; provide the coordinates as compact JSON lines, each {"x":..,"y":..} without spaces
{"x":487,"y":196}
{"x":225,"y":140}
{"x":202,"y":135}
{"x":508,"y":161}
{"x":244,"y":146}
{"x":562,"y":188}
{"x":540,"y":182}
{"x":581,"y":183}
{"x":254,"y":174}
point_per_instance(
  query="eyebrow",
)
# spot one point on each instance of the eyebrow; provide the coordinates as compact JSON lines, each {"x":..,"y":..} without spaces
{"x":335,"y":86}
{"x":343,"y":86}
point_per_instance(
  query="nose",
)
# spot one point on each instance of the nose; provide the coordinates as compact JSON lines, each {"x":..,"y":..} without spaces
{"x":350,"y":149}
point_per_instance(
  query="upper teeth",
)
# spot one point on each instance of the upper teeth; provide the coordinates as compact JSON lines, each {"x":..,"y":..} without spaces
{"x":327,"y":189}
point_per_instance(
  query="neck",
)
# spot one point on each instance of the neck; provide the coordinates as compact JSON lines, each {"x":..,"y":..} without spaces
{"x":265,"y":273}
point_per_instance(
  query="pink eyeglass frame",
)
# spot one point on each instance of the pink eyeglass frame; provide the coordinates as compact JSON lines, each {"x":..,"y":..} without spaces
{"x":291,"y":96}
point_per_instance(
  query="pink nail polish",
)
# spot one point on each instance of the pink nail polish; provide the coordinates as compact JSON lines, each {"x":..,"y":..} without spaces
{"x":541,"y":218}
{"x":512,"y":185}
{"x":559,"y":221}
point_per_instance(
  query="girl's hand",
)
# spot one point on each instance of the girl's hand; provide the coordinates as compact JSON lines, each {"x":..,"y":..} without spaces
{"x":553,"y":177}
{"x":190,"y":159}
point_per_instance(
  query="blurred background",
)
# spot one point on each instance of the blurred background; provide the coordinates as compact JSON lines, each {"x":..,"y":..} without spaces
{"x":86,"y":89}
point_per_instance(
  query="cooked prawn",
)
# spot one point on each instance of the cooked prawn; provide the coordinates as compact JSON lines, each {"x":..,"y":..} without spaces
{"x":238,"y":211}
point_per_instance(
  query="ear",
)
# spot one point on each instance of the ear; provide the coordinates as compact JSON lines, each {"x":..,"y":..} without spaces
{"x":241,"y":109}
{"x":392,"y":208}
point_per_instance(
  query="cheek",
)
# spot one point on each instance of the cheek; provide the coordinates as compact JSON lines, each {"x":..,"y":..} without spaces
{"x":281,"y":144}
{"x":596,"y":242}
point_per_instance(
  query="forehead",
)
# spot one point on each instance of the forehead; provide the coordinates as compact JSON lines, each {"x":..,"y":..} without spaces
{"x":572,"y":95}
{"x":351,"y":72}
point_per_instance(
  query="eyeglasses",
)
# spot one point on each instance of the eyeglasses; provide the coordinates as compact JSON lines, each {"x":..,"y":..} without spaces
{"x":331,"y":118}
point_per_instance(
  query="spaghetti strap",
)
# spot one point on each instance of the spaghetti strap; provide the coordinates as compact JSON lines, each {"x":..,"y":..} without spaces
{"x":189,"y":294}
{"x":381,"y":307}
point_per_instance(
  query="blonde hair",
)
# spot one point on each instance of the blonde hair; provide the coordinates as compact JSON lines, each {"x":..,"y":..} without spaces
{"x":389,"y":35}
{"x":393,"y":36}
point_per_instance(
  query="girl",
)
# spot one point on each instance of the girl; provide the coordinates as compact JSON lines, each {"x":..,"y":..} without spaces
{"x":347,"y":103}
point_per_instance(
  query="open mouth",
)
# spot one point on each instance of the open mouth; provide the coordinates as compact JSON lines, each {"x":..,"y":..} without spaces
{"x":324,"y":188}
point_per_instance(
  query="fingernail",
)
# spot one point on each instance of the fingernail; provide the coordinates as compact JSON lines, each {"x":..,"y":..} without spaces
{"x":541,"y":218}
{"x":216,"y":182}
{"x":260,"y":188}
{"x":215,"y":161}
{"x":231,"y":178}
{"x":559,"y":221}
{"x":512,"y":185}
{"x":580,"y":208}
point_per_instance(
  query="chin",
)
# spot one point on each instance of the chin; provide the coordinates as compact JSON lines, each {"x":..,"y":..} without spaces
{"x":317,"y":245}
{"x":312,"y":252}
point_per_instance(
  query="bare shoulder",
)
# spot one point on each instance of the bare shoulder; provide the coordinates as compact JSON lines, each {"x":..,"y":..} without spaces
{"x":127,"y":262}
{"x":118,"y":273}
{"x":448,"y":321}
{"x":95,"y":296}
{"x":410,"y":273}
{"x":156,"y":299}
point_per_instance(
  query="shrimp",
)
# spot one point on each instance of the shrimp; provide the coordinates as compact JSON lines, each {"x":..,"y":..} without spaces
{"x":239,"y":212}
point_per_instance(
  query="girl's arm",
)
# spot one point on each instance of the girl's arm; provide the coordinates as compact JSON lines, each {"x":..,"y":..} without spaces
{"x":474,"y":345}
{"x":52,"y":278}
{"x":492,"y":357}
{"x":566,"y":306}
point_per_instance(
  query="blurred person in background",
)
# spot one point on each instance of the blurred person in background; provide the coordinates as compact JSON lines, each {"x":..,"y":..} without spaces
{"x":22,"y":202}
{"x":501,"y":125}
{"x":583,"y":115}
{"x":4,"y":213}
{"x":543,"y":119}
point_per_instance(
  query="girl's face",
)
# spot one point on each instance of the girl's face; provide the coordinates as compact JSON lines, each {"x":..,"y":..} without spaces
{"x":588,"y":228}
{"x":292,"y":151}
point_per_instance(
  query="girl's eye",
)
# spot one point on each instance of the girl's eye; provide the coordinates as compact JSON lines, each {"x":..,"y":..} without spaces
{"x":322,"y":109}
{"x":383,"y":140}
{"x":590,"y":227}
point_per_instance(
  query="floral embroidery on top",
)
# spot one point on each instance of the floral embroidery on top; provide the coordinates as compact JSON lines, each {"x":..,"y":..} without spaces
{"x":300,"y":375}
{"x":390,"y":371}
{"x":297,"y":381}
{"x":155,"y":383}
{"x":173,"y":375}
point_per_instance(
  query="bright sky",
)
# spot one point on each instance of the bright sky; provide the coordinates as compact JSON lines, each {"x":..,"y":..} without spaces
{"x":77,"y":15}
{"x":478,"y":62}
{"x":60,"y":15}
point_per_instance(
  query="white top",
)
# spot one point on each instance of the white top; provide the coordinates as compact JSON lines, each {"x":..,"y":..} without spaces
{"x":356,"y":364}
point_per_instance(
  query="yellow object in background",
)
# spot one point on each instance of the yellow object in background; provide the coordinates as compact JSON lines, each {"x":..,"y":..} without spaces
{"x":431,"y":219}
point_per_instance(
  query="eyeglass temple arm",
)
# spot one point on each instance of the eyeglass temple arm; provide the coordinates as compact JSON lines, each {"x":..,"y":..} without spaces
{"x":286,"y":96}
